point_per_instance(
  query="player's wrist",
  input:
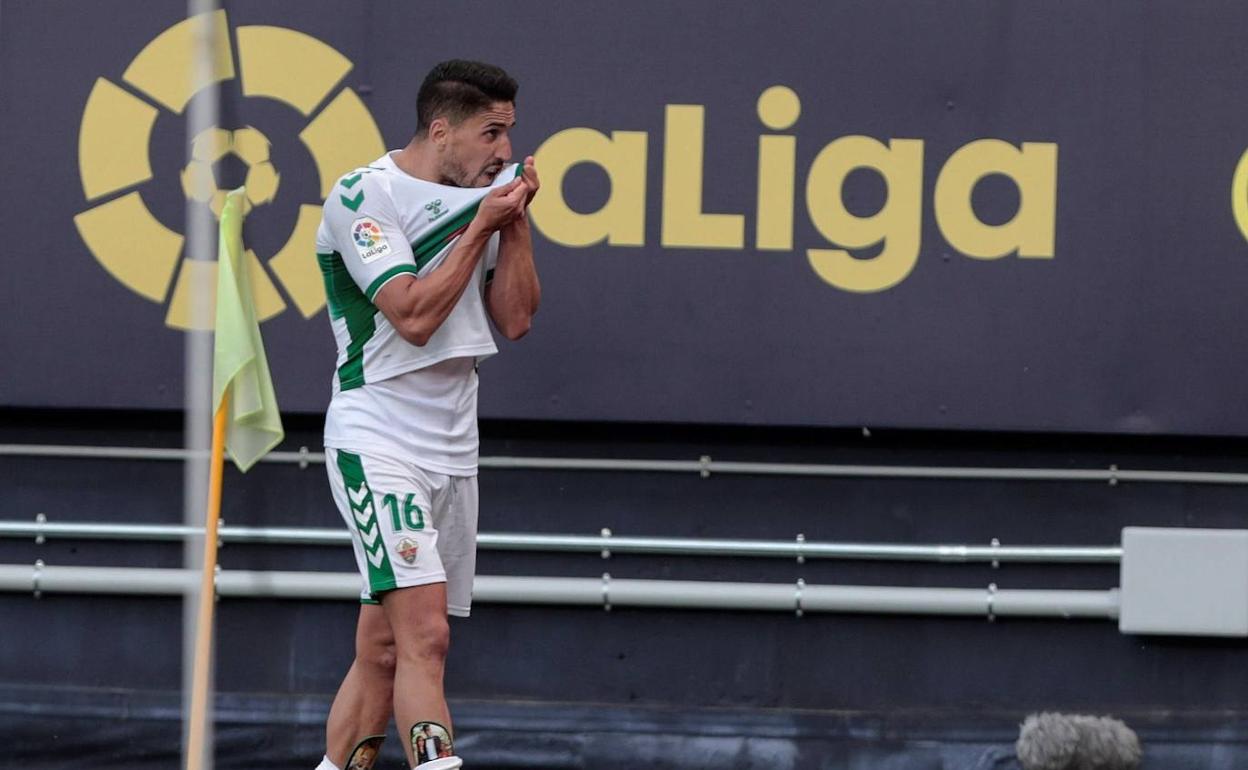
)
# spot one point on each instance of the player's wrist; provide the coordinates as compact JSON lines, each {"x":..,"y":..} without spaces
{"x":477,"y":231}
{"x":515,"y":232}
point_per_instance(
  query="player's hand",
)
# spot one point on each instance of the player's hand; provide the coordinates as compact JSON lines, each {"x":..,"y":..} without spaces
{"x":529,"y":175}
{"x":502,"y":205}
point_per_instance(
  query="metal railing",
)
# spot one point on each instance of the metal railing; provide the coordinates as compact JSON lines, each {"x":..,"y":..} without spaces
{"x":605,"y":543}
{"x":704,"y":466}
{"x":797,"y":597}
{"x":605,"y":592}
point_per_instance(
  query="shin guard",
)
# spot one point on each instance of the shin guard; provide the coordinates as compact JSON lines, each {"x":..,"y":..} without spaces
{"x":364,"y":755}
{"x":430,"y":742}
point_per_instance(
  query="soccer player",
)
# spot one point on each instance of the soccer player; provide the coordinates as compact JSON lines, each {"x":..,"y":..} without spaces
{"x":417,"y":251}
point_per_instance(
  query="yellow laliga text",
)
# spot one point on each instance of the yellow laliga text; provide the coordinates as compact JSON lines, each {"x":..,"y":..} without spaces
{"x":896,"y":228}
{"x":622,"y":219}
{"x":684,"y":223}
{"x":1033,"y":169}
{"x":897,"y":223}
{"x":778,"y":109}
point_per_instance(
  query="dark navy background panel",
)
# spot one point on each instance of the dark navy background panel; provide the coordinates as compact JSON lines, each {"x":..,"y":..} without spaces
{"x":1130,"y":323}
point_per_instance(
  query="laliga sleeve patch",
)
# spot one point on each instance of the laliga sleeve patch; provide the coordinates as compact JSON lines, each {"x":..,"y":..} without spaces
{"x":370,"y":241}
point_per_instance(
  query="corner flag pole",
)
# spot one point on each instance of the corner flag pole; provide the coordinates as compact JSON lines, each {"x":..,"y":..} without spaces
{"x":202,"y":114}
{"x":248,"y":424}
{"x":200,"y":712}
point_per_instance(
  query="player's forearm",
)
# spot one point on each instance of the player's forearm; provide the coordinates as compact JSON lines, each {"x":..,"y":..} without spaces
{"x":431,"y":299}
{"x":515,"y":291}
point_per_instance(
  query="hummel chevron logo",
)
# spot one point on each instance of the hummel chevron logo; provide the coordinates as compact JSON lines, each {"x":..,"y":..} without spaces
{"x":349,"y":182}
{"x":369,"y":534}
{"x":375,"y":556}
{"x":358,"y":496}
{"x":353,"y":203}
{"x":362,"y":504}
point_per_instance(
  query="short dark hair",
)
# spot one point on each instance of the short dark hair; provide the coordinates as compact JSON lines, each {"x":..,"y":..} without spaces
{"x":459,"y":89}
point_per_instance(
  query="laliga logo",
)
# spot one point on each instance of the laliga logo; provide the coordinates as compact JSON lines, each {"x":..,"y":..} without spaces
{"x":367,"y":234}
{"x":896,"y":226}
{"x":274,"y":63}
{"x":199,"y":180}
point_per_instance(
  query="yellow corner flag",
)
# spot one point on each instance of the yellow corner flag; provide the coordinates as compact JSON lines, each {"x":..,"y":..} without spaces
{"x":239,"y":367}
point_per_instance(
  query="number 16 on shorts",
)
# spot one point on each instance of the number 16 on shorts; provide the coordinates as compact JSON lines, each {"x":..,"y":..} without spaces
{"x":412,"y":517}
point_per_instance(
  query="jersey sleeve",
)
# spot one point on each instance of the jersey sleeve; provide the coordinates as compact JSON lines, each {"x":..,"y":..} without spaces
{"x":363,"y":223}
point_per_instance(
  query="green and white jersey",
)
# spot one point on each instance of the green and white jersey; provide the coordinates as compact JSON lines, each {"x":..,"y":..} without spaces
{"x":389,"y":395}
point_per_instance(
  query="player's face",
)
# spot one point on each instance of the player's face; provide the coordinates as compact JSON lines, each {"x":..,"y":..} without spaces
{"x":477,"y":148}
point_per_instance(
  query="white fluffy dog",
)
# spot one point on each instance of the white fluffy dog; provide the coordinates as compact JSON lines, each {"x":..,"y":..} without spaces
{"x":1074,"y":742}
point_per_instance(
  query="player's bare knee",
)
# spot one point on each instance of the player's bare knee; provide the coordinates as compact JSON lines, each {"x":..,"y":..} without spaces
{"x":428,"y":640}
{"x":374,"y":648}
{"x":381,"y":658}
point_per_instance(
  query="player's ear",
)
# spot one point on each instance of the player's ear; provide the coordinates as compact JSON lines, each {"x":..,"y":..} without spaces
{"x":438,"y":130}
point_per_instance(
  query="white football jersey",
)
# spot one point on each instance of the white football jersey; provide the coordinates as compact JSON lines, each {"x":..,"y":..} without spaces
{"x":377,"y":224}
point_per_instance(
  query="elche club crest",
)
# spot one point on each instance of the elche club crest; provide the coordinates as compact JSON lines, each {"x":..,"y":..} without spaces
{"x":407,"y":549}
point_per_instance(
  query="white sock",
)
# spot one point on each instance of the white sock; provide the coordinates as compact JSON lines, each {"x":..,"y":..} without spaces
{"x":327,"y":765}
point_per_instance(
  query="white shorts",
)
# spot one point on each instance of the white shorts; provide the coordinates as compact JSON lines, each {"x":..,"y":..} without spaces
{"x":409,"y":526}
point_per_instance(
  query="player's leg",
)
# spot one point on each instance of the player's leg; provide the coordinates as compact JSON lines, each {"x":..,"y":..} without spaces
{"x":448,"y":548}
{"x":348,"y":732}
{"x":362,"y":707}
{"x":422,"y":636}
{"x":390,"y":507}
